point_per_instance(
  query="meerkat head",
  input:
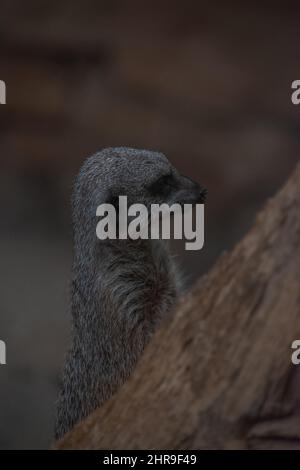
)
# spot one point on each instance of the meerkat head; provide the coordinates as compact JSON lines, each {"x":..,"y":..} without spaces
{"x":145,"y":177}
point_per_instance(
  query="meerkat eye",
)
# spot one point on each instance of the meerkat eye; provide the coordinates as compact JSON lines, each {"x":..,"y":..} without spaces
{"x":162,"y":186}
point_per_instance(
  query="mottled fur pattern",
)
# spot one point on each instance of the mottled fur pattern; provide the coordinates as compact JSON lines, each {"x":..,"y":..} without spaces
{"x":120,"y":288}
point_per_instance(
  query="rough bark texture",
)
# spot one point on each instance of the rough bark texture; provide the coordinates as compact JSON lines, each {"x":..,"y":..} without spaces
{"x":218,"y":373}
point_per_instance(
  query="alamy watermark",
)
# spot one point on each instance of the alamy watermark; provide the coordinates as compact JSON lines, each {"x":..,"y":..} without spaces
{"x":2,"y":92}
{"x":2,"y":353}
{"x":140,"y":222}
{"x":295,"y":97}
{"x":296,"y":354}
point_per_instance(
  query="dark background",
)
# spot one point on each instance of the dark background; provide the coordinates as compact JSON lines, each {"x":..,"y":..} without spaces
{"x":209,"y":84}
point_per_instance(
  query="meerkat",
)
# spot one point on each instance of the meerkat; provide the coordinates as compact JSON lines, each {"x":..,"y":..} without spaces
{"x":121,"y":289}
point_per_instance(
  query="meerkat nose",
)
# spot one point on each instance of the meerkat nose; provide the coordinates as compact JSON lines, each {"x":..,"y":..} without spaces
{"x":202,"y":195}
{"x":199,"y":193}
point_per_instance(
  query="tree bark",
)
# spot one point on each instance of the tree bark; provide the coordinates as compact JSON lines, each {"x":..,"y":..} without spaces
{"x":218,"y":373}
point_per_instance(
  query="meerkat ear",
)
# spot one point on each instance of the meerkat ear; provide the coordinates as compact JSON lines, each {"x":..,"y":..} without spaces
{"x":111,"y":198}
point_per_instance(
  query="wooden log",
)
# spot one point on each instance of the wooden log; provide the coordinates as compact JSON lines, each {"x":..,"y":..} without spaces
{"x":218,"y":373}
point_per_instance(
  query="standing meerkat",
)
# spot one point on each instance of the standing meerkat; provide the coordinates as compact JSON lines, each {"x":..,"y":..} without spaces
{"x":121,"y":289}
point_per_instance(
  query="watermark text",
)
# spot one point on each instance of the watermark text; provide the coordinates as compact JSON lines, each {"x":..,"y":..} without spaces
{"x":295,"y":97}
{"x":296,"y":354}
{"x":140,"y":222}
{"x":2,"y":353}
{"x":2,"y":92}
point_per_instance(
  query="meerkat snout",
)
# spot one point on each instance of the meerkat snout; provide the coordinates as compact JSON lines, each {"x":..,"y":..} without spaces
{"x":187,"y":191}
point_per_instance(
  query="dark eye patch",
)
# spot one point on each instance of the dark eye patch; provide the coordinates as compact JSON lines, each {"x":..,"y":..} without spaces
{"x":114,"y":201}
{"x":162,"y":186}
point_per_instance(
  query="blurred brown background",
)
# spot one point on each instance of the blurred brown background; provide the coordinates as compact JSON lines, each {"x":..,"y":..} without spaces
{"x":207,"y":83}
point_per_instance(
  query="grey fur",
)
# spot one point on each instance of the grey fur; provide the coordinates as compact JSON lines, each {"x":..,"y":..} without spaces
{"x":120,"y":288}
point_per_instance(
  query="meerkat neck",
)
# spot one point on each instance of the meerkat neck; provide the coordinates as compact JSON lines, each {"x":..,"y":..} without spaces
{"x":118,"y":297}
